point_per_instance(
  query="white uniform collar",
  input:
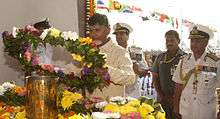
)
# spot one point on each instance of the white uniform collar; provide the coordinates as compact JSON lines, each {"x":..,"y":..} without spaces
{"x":201,"y":59}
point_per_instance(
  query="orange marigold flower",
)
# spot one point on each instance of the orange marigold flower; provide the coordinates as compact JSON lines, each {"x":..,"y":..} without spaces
{"x":9,"y":109}
{"x":21,"y":91}
{"x":69,"y":114}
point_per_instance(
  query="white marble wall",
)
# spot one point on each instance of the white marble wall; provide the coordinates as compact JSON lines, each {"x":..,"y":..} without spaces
{"x":62,"y":14}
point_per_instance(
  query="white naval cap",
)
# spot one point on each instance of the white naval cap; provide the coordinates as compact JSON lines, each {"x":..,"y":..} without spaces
{"x":122,"y":27}
{"x":200,"y":31}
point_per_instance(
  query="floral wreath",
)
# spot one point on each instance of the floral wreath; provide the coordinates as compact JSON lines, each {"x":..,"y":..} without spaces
{"x":22,"y":44}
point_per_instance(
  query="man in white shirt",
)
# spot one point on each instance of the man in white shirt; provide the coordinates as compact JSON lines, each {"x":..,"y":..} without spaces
{"x":122,"y":31}
{"x":118,"y":61}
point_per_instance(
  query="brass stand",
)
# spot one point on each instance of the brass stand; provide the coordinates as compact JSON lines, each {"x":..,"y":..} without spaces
{"x":218,"y":97}
{"x":41,"y":97}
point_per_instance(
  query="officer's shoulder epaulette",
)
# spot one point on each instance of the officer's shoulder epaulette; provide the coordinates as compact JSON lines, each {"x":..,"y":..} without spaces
{"x":184,"y":55}
{"x":187,"y":56}
{"x":212,"y":56}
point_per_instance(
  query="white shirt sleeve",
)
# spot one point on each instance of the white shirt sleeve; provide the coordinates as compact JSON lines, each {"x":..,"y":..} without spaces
{"x":122,"y":71}
{"x":176,"y":77}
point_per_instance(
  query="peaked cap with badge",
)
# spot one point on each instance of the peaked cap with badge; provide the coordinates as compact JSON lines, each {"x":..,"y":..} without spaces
{"x":200,"y":31}
{"x":122,"y":27}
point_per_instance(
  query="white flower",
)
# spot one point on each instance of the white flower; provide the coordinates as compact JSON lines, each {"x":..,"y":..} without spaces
{"x":56,"y":69}
{"x":102,"y":115}
{"x":69,"y":35}
{"x":130,"y":98}
{"x":117,"y":98}
{"x":73,"y":36}
{"x":123,"y":102}
{"x":101,"y":104}
{"x":44,"y":34}
{"x":8,"y":85}
{"x":2,"y":90}
{"x":64,"y":35}
{"x":14,"y":32}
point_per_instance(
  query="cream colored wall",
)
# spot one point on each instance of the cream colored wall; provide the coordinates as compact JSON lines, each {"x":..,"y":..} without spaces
{"x":62,"y":14}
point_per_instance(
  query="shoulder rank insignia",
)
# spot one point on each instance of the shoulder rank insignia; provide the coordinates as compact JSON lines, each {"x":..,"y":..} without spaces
{"x":212,"y":56}
{"x":188,"y":56}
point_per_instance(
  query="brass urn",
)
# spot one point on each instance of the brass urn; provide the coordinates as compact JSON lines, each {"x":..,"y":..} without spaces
{"x":41,"y":97}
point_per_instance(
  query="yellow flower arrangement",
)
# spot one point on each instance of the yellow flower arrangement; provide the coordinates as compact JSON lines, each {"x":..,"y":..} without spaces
{"x":5,"y":115}
{"x":127,"y":109}
{"x":134,"y":109}
{"x":54,"y":32}
{"x":60,"y":116}
{"x":7,"y":112}
{"x":112,"y":108}
{"x":69,"y":99}
{"x":77,"y":57}
{"x":134,"y":103}
{"x":145,"y":109}
{"x":160,"y":115}
{"x":142,"y":108}
{"x":78,"y":116}
{"x":18,"y":109}
{"x":74,"y":96}
{"x":21,"y":115}
{"x":149,"y":117}
{"x":86,"y":40}
{"x":66,"y":102}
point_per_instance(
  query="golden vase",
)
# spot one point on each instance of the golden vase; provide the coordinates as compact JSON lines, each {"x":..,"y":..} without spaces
{"x":218,"y":97}
{"x":41,"y":97}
